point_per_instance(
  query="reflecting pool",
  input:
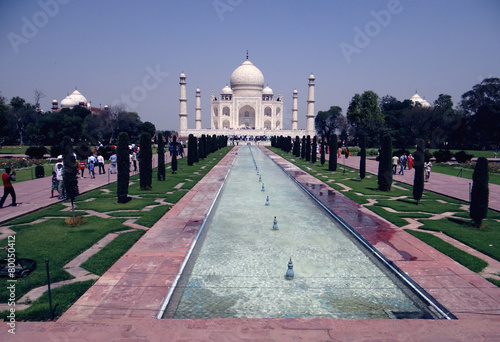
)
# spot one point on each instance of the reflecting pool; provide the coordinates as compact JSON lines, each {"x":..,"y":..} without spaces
{"x":238,"y":266}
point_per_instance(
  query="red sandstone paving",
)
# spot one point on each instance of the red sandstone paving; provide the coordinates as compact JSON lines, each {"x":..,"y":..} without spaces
{"x":112,"y":312}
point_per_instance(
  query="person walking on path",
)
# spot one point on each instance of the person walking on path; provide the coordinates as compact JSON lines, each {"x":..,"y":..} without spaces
{"x":112,"y":161}
{"x":401,"y":165}
{"x":100,"y":163}
{"x":55,"y":184}
{"x":59,"y":177}
{"x":427,"y":168}
{"x":395,"y":160}
{"x":134,"y":160}
{"x":7,"y":179}
{"x":410,"y":161}
{"x":82,"y":167}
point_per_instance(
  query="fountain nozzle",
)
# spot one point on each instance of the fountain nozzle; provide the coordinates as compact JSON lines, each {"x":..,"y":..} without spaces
{"x":267,"y":200}
{"x":263,"y":189}
{"x":289,"y":272}
{"x":275,"y":224}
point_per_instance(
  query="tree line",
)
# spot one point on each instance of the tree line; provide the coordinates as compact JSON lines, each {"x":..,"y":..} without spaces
{"x":473,"y":124}
{"x":23,"y":123}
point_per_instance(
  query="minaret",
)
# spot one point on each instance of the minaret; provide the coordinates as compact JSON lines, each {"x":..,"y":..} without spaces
{"x":198,"y":109}
{"x":183,"y":105}
{"x":294,"y":110}
{"x":310,"y":107}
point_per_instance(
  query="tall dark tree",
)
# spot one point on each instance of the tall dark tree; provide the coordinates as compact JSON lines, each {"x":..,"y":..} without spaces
{"x":296,"y":147}
{"x":418,"y":181}
{"x":145,"y":161}
{"x":191,"y":149}
{"x":480,"y":192}
{"x":201,"y":147}
{"x":70,"y":172}
{"x":196,"y":152}
{"x":123,"y":160}
{"x":174,"y":154}
{"x":308,"y":148}
{"x":332,"y":161}
{"x":322,"y":151}
{"x":385,"y":164}
{"x":314,"y":148}
{"x":362,"y":159}
{"x":303,"y":147}
{"x":161,"y":158}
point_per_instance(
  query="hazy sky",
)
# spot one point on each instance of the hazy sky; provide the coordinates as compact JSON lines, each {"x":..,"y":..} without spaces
{"x":133,"y":51}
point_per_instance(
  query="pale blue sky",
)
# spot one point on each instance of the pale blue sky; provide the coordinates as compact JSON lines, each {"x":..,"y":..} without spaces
{"x":137,"y":49}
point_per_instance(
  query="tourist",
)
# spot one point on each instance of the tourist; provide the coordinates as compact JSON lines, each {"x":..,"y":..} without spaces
{"x":82,"y":167}
{"x":427,"y":168}
{"x":100,"y":163}
{"x":55,"y":184}
{"x":60,"y":184}
{"x":7,"y":179}
{"x":91,"y":169}
{"x":395,"y":161}
{"x":401,"y":165}
{"x":410,"y":161}
{"x":112,"y":163}
{"x":134,"y":160}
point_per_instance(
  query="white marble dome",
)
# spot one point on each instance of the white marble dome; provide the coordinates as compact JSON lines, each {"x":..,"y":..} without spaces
{"x":74,"y":99}
{"x":247,"y":77}
{"x":417,"y":99}
{"x":267,"y":91}
{"x":226,"y":91}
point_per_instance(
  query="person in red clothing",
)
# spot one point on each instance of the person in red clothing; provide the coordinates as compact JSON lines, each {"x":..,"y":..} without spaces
{"x":7,"y":178}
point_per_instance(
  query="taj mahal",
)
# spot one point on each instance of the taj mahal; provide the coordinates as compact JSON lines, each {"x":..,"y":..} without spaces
{"x":246,"y":108}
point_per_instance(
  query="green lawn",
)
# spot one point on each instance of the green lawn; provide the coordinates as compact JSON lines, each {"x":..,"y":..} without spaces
{"x":458,"y":171}
{"x":471,"y":262}
{"x":60,"y":243}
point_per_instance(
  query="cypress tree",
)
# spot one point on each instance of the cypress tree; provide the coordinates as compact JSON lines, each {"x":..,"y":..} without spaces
{"x":161,"y":158}
{"x":215,"y":145}
{"x":206,"y":152}
{"x":362,"y":161}
{"x":296,"y":146}
{"x":174,"y":155}
{"x":201,"y":147}
{"x":303,"y":147}
{"x":308,"y":148}
{"x":385,"y":164}
{"x":332,"y":160}
{"x":70,"y":172}
{"x":480,"y":192}
{"x":322,"y":151}
{"x":196,"y":151}
{"x":418,"y":181}
{"x":145,"y":161}
{"x":122,"y":155}
{"x":314,"y":148}
{"x":191,"y":149}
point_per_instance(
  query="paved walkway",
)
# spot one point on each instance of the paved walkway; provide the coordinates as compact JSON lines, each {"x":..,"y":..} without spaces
{"x":451,"y":186}
{"x":35,"y":194}
{"x":121,"y":305}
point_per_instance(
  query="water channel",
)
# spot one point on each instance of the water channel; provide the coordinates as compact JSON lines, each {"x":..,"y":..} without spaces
{"x":238,"y":266}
